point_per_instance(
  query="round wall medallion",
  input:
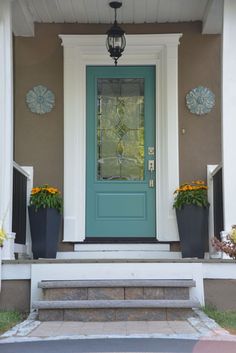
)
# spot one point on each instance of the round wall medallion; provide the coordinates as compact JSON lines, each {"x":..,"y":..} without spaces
{"x":40,"y":100}
{"x":200,"y":100}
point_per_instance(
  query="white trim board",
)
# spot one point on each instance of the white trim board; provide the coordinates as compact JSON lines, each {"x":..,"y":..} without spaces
{"x":6,"y":122}
{"x":160,"y":50}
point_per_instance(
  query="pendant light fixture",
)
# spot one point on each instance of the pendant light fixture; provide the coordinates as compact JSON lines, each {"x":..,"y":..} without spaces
{"x":115,"y":42}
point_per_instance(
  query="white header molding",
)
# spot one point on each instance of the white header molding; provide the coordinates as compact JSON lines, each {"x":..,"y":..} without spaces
{"x":160,"y":50}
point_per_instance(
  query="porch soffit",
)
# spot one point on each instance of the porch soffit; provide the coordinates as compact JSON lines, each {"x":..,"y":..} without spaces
{"x":26,"y":12}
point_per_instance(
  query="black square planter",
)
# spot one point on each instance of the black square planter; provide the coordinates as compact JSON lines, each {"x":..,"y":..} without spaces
{"x":193,"y":230}
{"x":45,"y":226}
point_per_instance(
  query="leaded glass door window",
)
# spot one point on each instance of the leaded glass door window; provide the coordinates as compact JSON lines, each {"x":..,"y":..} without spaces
{"x":120,"y":129}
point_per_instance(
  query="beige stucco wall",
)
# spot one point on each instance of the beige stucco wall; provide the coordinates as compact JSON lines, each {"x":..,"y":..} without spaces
{"x":39,"y":60}
{"x":15,"y":295}
{"x":220,"y":293}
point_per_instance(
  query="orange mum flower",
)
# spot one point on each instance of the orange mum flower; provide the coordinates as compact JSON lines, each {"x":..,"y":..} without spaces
{"x":52,"y":190}
{"x":198,"y":182}
{"x":35,"y":191}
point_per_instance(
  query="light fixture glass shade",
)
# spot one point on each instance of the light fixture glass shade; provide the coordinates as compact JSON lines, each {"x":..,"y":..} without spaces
{"x":115,"y":42}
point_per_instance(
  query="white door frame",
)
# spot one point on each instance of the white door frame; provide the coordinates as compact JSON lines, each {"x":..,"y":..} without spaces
{"x":160,"y":50}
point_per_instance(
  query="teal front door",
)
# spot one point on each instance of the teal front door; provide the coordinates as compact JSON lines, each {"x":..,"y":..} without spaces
{"x":120,"y":190}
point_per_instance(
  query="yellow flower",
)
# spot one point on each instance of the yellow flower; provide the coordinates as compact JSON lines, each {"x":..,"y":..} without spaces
{"x":3,"y":235}
{"x":52,"y":190}
{"x":35,"y":191}
{"x":188,"y":187}
{"x":194,"y":186}
{"x":198,"y":182}
{"x":232,"y":235}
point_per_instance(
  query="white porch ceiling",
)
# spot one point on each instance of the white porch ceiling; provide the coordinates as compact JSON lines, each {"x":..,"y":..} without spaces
{"x":27,"y":12}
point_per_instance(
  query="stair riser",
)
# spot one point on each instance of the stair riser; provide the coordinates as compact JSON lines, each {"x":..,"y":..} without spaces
{"x":118,"y":314}
{"x":118,"y":293}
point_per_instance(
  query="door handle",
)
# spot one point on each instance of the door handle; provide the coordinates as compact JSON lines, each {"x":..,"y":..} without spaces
{"x":151,"y":165}
{"x":151,"y":168}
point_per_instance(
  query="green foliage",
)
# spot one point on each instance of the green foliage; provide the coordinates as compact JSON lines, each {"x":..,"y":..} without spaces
{"x":9,"y":319}
{"x":226,"y":319}
{"x":46,"y":196}
{"x":194,"y":193}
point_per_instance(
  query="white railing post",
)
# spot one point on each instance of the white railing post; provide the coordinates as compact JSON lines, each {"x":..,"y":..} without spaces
{"x":30,"y":172}
{"x":211,"y":169}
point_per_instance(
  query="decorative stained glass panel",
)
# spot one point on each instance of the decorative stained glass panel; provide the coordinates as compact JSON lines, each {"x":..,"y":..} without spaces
{"x":120,"y":129}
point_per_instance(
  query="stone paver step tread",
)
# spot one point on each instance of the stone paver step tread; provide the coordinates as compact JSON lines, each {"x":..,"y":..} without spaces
{"x":96,"y":304}
{"x":119,"y":283}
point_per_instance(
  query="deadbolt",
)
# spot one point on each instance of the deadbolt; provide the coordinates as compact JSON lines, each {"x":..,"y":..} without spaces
{"x":151,"y":151}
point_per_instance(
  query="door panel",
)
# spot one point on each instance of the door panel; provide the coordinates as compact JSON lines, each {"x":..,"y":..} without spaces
{"x":120,"y":129}
{"x":121,"y":206}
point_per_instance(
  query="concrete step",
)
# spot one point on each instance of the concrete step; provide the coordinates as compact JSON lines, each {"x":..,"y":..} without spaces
{"x":114,"y":300}
{"x":82,"y":304}
{"x":119,"y":283}
{"x":116,"y":289}
{"x":115,"y":310}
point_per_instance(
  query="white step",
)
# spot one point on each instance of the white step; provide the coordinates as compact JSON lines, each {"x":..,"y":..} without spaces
{"x":109,"y":251}
{"x":122,"y":246}
{"x":120,"y":254}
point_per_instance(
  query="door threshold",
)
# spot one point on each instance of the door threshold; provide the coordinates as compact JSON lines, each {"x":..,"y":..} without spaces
{"x":116,"y":240}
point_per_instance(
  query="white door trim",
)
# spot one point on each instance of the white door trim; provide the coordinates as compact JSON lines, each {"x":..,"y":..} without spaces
{"x":160,"y":50}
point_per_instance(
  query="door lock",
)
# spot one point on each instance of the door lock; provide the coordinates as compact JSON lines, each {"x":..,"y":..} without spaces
{"x":151,"y":151}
